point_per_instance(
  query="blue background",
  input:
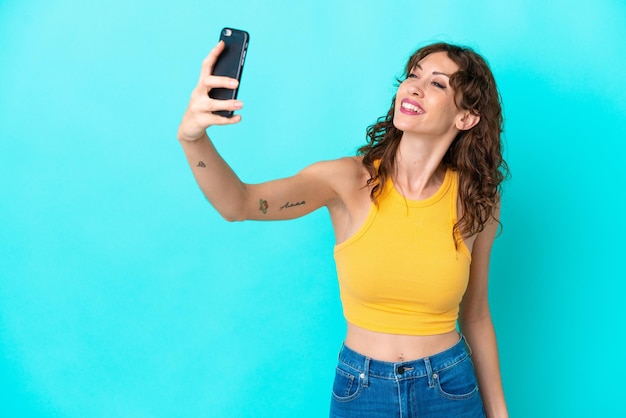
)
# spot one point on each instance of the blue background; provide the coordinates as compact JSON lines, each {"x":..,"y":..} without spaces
{"x":123,"y":293}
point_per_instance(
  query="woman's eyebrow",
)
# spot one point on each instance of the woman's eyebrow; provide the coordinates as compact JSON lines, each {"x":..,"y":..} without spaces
{"x":419,"y":67}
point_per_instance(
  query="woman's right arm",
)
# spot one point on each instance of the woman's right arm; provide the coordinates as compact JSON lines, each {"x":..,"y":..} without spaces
{"x":286,"y":198}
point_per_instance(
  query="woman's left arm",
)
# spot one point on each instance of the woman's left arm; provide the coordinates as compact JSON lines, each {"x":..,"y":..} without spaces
{"x":476,"y":324}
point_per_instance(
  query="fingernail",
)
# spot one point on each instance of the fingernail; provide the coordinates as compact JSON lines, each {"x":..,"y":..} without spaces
{"x":233,"y":83}
{"x":238,"y":104}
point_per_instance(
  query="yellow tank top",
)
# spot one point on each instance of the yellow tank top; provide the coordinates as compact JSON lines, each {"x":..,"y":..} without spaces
{"x":401,"y":273}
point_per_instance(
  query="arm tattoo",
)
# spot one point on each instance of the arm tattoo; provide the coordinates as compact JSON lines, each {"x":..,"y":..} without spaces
{"x":263,"y":206}
{"x":291,"y":205}
{"x":201,"y":164}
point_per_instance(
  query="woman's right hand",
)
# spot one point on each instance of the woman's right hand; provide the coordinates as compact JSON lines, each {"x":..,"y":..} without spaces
{"x":199,"y":114}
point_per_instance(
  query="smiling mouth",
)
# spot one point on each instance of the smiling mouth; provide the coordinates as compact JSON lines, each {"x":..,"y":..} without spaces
{"x":411,"y":108}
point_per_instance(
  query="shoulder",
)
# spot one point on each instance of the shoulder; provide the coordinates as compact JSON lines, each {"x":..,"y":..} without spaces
{"x":343,"y":164}
{"x":345,"y":179}
{"x":338,"y":171}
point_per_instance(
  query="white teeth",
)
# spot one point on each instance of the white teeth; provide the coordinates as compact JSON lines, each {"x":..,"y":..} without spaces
{"x":411,"y":107}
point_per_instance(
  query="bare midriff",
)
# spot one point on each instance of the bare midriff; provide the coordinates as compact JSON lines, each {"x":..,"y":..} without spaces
{"x":397,"y":348}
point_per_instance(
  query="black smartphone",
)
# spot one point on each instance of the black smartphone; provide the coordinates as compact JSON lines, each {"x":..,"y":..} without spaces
{"x":230,"y":64}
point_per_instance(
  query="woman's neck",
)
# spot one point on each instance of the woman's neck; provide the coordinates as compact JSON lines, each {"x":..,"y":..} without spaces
{"x":418,"y":166}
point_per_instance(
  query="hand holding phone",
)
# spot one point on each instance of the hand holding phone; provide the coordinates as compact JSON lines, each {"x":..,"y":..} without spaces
{"x":213,"y":100}
{"x":230,"y":64}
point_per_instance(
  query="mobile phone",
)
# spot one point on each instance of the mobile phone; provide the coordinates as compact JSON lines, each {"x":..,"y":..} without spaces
{"x":230,"y":64}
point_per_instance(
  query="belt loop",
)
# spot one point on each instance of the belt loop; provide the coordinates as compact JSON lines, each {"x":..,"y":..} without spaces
{"x":366,"y":372}
{"x":469,"y":348}
{"x":429,"y":372}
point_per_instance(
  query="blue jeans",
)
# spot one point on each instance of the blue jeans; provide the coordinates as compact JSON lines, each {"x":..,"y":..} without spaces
{"x":443,"y":385}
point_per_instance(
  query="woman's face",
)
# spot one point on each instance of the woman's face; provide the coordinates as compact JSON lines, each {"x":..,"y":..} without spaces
{"x":425,"y":100}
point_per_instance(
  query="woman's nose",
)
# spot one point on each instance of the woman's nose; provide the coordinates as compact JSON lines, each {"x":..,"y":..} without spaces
{"x":415,"y":89}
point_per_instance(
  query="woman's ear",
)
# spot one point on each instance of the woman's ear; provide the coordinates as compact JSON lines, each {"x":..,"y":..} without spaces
{"x":467,"y":120}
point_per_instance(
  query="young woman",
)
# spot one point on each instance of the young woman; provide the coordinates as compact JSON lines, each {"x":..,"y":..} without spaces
{"x":414,"y":215}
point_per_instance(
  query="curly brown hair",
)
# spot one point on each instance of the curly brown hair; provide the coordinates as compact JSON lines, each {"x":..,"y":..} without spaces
{"x":476,"y":154}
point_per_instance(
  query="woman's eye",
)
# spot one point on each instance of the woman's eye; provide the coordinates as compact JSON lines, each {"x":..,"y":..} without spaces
{"x":439,"y":85}
{"x":411,"y":76}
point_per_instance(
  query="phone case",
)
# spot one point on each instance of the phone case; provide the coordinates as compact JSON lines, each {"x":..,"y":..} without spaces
{"x":230,"y":63}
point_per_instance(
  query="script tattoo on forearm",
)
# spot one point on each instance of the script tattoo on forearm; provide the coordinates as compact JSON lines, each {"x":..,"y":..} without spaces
{"x":291,"y":205}
{"x":201,"y":164}
{"x":263,"y":205}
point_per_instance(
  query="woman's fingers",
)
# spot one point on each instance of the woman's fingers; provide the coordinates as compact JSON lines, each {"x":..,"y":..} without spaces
{"x":209,"y":62}
{"x":214,"y":81}
{"x":222,"y":120}
{"x":199,"y":115}
{"x":201,"y":100}
{"x":206,"y":105}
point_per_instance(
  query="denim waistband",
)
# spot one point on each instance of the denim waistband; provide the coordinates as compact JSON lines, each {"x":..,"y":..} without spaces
{"x":413,"y":368}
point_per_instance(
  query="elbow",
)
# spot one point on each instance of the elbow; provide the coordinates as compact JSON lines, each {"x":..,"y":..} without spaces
{"x":230,"y":215}
{"x":231,"y":206}
{"x":230,"y":218}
